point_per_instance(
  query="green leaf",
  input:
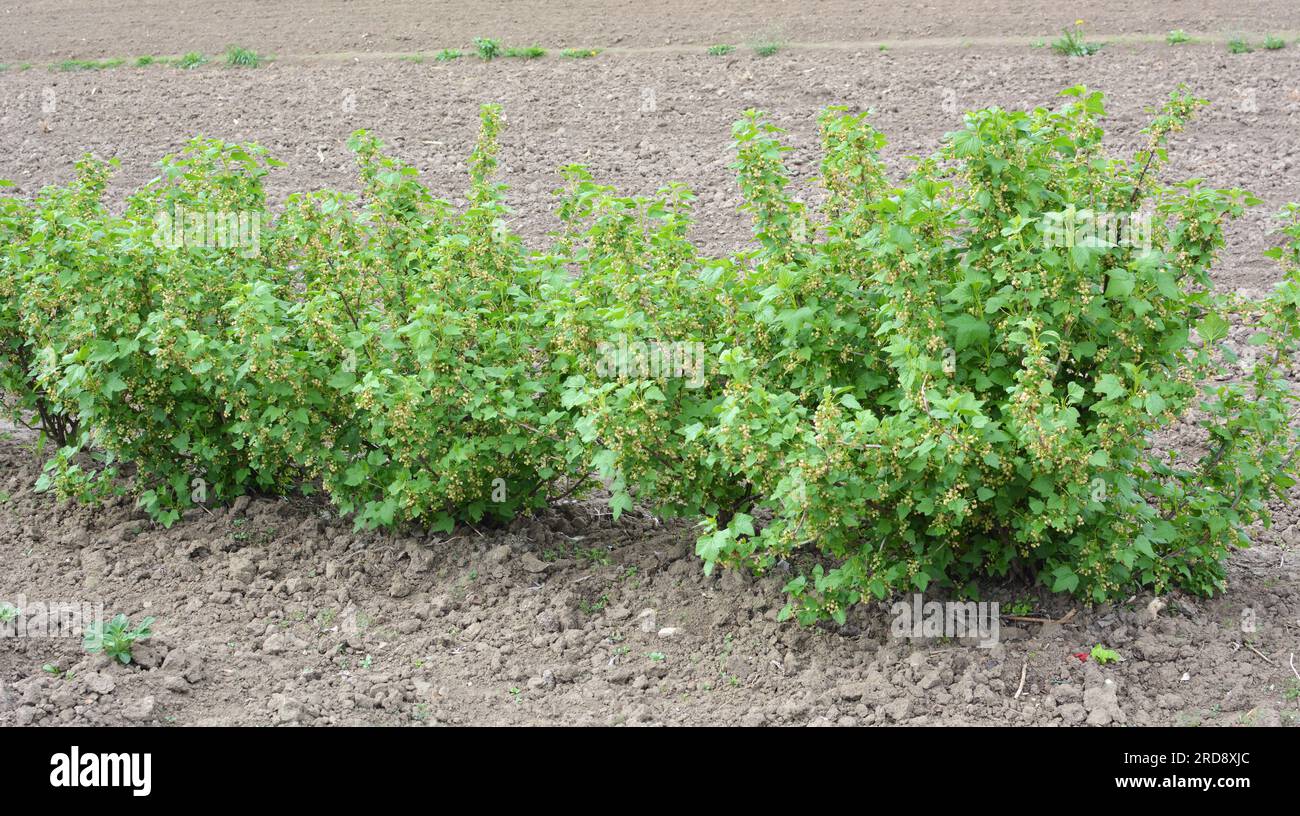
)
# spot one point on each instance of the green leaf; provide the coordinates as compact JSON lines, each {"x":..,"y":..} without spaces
{"x":969,"y":330}
{"x":620,"y":503}
{"x":1212,"y":328}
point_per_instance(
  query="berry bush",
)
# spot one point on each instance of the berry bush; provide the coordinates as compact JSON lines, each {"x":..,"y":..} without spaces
{"x":921,"y":381}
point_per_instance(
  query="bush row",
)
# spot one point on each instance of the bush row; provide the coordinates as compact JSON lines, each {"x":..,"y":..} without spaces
{"x":919,"y":381}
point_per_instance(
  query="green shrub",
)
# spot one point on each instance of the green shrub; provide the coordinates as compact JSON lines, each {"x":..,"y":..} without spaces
{"x":643,"y":288}
{"x":923,"y":381}
{"x":1007,"y":415}
{"x":133,"y":317}
{"x":487,"y":49}
{"x":443,"y":395}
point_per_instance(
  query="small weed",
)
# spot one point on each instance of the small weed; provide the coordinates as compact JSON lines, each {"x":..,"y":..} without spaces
{"x":720,"y":50}
{"x":1022,"y":607}
{"x":593,"y":607}
{"x":8,"y":612}
{"x":1072,"y":42}
{"x":488,"y":49}
{"x":51,"y":669}
{"x":1238,"y":45}
{"x":447,"y":55}
{"x":144,"y":62}
{"x":530,"y":52}
{"x":191,"y":60}
{"x":579,"y":53}
{"x":1177,"y":37}
{"x":657,"y":657}
{"x":89,"y":65}
{"x":116,"y":638}
{"x":238,"y":57}
{"x":415,"y":58}
{"x":1292,"y":692}
{"x":367,"y":662}
{"x":1272,"y":43}
{"x":593,"y":555}
{"x":767,"y":48}
{"x":1103,"y":655}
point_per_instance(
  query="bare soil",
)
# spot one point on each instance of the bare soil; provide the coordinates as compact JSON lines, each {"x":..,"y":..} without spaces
{"x":275,"y":612}
{"x":58,"y":29}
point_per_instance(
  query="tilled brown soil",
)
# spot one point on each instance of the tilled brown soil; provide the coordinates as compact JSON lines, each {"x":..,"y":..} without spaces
{"x":275,"y":612}
{"x":56,"y":29}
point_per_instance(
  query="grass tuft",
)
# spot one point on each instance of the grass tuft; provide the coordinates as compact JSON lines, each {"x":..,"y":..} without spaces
{"x":238,"y":57}
{"x":528,"y":52}
{"x":721,"y":50}
{"x":89,"y":65}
